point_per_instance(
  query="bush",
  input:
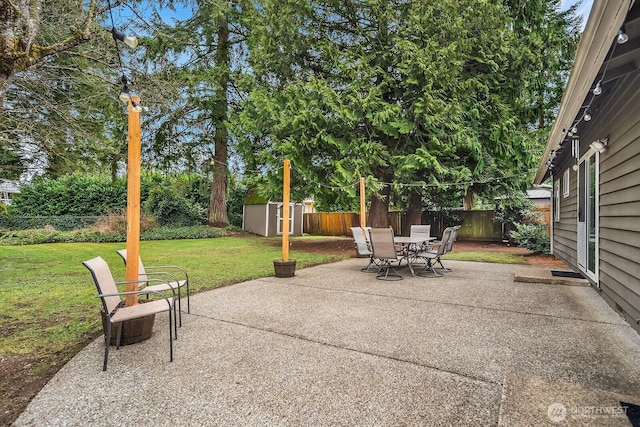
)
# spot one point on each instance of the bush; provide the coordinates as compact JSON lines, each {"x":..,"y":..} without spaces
{"x":76,"y":195}
{"x":116,"y":222}
{"x":50,"y":235}
{"x":63,"y":223}
{"x":533,"y":237}
{"x":171,"y":209}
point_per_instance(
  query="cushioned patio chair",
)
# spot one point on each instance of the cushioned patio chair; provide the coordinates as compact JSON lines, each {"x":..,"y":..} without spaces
{"x":171,"y":283}
{"x":384,"y":250}
{"x":363,"y":247}
{"x":113,"y":310}
{"x":432,"y":256}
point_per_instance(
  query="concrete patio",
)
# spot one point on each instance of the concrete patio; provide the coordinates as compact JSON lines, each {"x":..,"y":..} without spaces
{"x":335,"y":346}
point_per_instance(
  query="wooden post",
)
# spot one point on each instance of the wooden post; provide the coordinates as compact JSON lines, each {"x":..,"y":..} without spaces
{"x":285,"y":211}
{"x":133,"y":202}
{"x":363,"y":220}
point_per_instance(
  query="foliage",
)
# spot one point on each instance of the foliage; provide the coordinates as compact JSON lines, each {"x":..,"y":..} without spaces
{"x":172,"y":209}
{"x":77,"y":194}
{"x":51,"y":235}
{"x":515,"y":209}
{"x":62,"y":223}
{"x":533,"y":237}
{"x":420,"y":96}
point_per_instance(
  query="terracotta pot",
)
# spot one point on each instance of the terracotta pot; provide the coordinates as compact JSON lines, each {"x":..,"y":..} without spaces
{"x":284,"y":268}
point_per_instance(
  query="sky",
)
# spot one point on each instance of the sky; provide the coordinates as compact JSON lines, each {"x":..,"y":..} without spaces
{"x":583,"y":9}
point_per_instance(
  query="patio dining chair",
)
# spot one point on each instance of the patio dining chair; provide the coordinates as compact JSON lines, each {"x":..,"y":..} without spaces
{"x":384,"y":250}
{"x":171,"y":283}
{"x":421,"y":230}
{"x":113,"y":310}
{"x":363,"y":247}
{"x":449,"y":247}
{"x":432,"y":256}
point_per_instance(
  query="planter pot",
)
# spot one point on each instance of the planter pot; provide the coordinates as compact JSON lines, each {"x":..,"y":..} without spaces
{"x":133,"y":331}
{"x":284,"y":268}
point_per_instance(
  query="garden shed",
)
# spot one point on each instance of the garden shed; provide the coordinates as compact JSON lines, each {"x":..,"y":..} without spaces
{"x":7,"y":189}
{"x":264,"y":217}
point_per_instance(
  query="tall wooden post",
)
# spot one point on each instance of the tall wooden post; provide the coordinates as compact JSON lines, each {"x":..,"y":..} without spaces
{"x":133,"y":201}
{"x":285,"y":210}
{"x":363,"y":220}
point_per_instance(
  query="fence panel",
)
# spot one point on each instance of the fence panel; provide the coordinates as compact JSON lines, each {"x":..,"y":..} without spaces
{"x":475,"y":225}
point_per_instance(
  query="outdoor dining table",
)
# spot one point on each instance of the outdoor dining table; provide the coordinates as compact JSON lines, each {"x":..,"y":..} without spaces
{"x":409,"y":247}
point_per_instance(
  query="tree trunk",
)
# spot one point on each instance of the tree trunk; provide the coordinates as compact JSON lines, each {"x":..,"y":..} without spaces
{"x":468,"y":201}
{"x":379,"y":213}
{"x":414,"y":212}
{"x":218,"y":202}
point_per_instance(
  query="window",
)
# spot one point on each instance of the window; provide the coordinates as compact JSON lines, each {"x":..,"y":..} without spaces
{"x":556,"y":205}
{"x":565,"y":184}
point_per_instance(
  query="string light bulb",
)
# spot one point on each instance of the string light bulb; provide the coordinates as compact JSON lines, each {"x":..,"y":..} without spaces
{"x":586,"y":116}
{"x":125,"y":95}
{"x":129,"y":40}
{"x":622,"y":36}
{"x":136,"y":106}
{"x":597,"y":90}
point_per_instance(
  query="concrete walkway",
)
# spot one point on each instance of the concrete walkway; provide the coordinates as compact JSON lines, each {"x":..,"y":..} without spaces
{"x":335,"y":346}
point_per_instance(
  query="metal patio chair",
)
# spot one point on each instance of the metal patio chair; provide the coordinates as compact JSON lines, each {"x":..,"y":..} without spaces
{"x":363,"y":248}
{"x":384,"y":250}
{"x":171,"y":283}
{"x":113,"y":310}
{"x":430,"y":257}
{"x":449,"y":247}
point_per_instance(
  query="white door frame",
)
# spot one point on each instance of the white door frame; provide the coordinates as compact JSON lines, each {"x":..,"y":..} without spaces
{"x":583,"y":252}
{"x":279,"y":218}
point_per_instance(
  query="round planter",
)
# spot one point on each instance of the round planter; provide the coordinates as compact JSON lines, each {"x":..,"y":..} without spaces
{"x":133,"y":331}
{"x":284,"y":268}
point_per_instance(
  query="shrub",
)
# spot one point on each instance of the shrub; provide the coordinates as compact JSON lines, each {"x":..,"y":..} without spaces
{"x":50,"y":235}
{"x":77,"y":195}
{"x":171,"y":209}
{"x":533,"y":237}
{"x":116,"y":222}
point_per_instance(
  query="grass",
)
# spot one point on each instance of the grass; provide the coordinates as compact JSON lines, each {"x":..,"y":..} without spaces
{"x":492,"y":257}
{"x":48,"y":309}
{"x":47,"y":298}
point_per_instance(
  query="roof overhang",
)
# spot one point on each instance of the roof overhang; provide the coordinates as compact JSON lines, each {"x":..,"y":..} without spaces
{"x":605,"y":19}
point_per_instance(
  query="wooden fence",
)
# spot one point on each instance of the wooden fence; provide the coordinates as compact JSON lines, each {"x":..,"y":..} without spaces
{"x":340,"y":223}
{"x":475,"y":225}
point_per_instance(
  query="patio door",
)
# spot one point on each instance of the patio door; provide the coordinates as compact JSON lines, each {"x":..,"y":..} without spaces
{"x":280,"y":218}
{"x":588,"y":200}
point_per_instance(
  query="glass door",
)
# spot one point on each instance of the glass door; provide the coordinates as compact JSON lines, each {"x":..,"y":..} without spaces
{"x":588,"y":215}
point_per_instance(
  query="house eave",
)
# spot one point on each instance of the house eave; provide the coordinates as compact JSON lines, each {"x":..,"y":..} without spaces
{"x":605,"y":19}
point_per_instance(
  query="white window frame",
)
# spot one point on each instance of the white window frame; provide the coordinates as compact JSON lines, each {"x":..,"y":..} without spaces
{"x":556,"y":205}
{"x":566,"y":179}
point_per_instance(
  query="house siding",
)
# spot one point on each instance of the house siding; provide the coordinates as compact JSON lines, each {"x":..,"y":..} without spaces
{"x":565,"y":231}
{"x":619,"y":200}
{"x":620,"y":206}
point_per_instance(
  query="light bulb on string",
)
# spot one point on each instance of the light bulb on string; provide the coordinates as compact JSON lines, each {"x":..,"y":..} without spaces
{"x":129,"y":40}
{"x":597,"y":90}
